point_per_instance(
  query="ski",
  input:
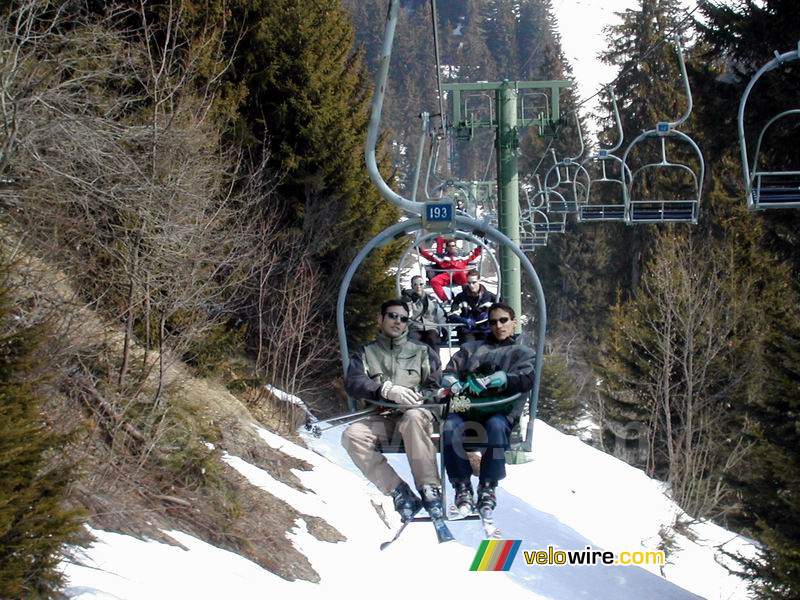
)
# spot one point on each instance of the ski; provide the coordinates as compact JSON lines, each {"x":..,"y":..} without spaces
{"x":402,"y":528}
{"x":490,"y":530}
{"x":443,"y":533}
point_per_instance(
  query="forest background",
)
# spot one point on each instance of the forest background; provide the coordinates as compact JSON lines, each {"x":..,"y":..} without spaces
{"x":182,"y":188}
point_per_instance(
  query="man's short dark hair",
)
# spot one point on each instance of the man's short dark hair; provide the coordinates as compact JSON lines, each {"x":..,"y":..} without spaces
{"x":417,"y":277}
{"x":394,"y":302}
{"x":474,"y":272}
{"x":502,"y":306}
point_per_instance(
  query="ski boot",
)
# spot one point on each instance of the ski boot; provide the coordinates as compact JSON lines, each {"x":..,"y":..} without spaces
{"x":464,"y":500}
{"x":486,"y":496}
{"x":432,"y":500}
{"x":406,"y":502}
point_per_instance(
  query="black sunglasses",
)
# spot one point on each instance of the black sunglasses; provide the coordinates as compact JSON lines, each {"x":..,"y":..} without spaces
{"x":502,"y":320}
{"x":397,"y":317}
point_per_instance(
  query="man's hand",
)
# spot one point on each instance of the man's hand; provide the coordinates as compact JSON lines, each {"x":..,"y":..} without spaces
{"x":403,"y":395}
{"x":451,"y":386}
{"x":496,"y":380}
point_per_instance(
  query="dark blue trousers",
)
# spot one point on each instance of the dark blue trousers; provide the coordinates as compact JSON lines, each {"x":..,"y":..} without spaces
{"x":494,"y":430}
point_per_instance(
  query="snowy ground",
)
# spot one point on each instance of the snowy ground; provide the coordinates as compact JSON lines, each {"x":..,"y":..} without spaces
{"x":570,"y":496}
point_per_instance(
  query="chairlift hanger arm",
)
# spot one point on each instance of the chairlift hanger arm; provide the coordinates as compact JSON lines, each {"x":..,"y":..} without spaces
{"x":686,"y":86}
{"x":373,"y":129}
{"x":572,"y":159}
{"x":618,"y":121}
{"x":425,"y":117}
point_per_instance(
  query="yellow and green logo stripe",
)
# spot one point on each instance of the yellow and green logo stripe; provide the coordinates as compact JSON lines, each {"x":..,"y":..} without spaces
{"x":495,"y":555}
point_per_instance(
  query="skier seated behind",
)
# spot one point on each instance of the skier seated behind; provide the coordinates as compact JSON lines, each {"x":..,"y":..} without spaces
{"x":426,"y":314}
{"x":395,"y":369}
{"x":454,"y":268}
{"x":470,"y":309}
{"x":501,"y":365}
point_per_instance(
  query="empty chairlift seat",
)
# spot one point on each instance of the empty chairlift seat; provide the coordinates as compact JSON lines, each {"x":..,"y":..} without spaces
{"x":770,"y":186}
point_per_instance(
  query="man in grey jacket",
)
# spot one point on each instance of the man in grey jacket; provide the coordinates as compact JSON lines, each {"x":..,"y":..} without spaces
{"x":502,"y":365}
{"x":427,"y":314}
{"x":396,"y":370}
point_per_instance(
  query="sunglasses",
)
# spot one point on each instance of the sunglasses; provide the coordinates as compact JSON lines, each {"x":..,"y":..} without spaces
{"x":397,"y":317}
{"x":501,"y":320}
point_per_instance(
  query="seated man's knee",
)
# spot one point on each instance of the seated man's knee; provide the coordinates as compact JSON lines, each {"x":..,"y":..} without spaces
{"x":356,"y":433}
{"x":414,"y":418}
{"x":497,"y":428}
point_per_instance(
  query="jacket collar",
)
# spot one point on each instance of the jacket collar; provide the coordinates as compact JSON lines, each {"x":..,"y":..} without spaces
{"x":509,"y":341}
{"x":384,"y":341}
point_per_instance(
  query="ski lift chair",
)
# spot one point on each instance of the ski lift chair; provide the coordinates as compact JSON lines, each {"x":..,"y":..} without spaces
{"x":477,"y":113}
{"x":767,"y":188}
{"x":531,"y":236}
{"x":641,"y":208}
{"x":656,"y":208}
{"x":457,"y":224}
{"x":546,"y":223}
{"x":407,"y":269}
{"x":609,"y":164}
{"x":566,"y":194}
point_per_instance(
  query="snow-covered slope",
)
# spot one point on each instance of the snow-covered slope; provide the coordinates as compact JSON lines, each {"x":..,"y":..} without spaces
{"x":571,"y":496}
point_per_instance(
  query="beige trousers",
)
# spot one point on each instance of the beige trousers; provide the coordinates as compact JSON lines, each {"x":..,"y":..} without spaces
{"x":414,"y":427}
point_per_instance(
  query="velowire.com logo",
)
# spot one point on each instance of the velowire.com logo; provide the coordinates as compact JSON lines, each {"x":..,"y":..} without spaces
{"x":495,"y":555}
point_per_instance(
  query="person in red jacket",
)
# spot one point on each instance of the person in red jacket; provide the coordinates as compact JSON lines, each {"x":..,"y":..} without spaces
{"x":454,"y":268}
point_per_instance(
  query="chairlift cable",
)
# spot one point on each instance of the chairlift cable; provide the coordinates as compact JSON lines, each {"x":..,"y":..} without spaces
{"x":438,"y":66}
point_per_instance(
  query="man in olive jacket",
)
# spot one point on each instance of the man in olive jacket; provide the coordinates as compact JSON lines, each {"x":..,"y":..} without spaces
{"x":396,"y":370}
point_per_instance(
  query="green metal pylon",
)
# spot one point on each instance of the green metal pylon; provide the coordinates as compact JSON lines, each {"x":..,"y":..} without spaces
{"x":508,"y":118}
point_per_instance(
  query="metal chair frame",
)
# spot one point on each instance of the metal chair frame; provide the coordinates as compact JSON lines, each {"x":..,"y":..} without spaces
{"x":766,"y":189}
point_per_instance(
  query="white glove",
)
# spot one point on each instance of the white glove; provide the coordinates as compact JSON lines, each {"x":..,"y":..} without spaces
{"x":403,"y":395}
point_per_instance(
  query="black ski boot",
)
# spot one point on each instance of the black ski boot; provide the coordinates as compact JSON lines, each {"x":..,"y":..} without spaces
{"x":432,"y":500}
{"x":465,"y":501}
{"x":486,"y":496}
{"x":406,"y":502}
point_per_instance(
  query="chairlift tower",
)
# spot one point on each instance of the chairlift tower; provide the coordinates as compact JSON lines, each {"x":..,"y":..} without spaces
{"x":507,"y":115}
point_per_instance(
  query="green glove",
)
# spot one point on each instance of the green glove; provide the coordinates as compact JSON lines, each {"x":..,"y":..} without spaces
{"x":496,"y":380}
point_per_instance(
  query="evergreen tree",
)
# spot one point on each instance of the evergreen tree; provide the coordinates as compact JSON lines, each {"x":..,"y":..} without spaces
{"x":648,"y":90}
{"x":768,"y":483}
{"x":738,"y":39}
{"x":308,"y":94}
{"x":34,"y":524}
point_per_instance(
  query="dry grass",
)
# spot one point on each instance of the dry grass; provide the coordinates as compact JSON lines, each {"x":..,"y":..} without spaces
{"x":144,"y":463}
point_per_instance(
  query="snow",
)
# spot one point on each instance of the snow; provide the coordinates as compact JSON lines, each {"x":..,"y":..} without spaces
{"x":570,"y":496}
